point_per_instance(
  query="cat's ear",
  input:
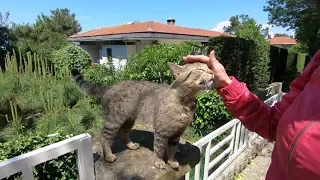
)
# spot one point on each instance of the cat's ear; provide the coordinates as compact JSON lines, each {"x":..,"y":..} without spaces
{"x":175,"y":69}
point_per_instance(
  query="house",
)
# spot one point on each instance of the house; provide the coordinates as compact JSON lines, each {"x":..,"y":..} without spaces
{"x":283,"y":42}
{"x":128,"y":39}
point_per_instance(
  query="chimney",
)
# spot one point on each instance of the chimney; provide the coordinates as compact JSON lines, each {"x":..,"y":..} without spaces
{"x":171,"y":21}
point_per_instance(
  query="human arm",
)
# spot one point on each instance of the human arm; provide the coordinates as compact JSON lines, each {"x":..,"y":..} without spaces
{"x":245,"y":106}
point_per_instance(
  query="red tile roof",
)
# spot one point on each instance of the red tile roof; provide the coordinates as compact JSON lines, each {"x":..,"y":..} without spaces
{"x":150,"y":26}
{"x":282,"y":40}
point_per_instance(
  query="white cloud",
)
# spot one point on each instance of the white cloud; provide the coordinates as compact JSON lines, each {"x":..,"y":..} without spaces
{"x":266,"y":26}
{"x":272,"y":30}
{"x":219,"y":27}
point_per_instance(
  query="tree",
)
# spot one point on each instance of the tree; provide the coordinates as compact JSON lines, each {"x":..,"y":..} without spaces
{"x":6,"y":37}
{"x":303,"y":16}
{"x":48,"y":34}
{"x":256,"y":58}
{"x":60,"y":21}
{"x":245,"y":27}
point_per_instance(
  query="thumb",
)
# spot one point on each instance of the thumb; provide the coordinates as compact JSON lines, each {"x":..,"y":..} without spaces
{"x":212,"y":59}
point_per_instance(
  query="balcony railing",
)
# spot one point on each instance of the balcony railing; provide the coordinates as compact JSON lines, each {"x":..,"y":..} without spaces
{"x":25,"y":162}
{"x":238,"y":139}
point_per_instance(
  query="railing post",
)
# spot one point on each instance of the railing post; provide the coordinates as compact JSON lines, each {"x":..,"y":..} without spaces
{"x":27,"y":173}
{"x":242,"y":135}
{"x":197,"y":168}
{"x":206,"y":162}
{"x":233,"y":132}
{"x":246,"y":137}
{"x":236,"y":145}
{"x":85,"y":159}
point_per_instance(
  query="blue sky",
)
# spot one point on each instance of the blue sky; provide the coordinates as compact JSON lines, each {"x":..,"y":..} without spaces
{"x":92,"y":14}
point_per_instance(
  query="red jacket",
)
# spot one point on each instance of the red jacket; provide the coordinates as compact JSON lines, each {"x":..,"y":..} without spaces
{"x":292,"y":123}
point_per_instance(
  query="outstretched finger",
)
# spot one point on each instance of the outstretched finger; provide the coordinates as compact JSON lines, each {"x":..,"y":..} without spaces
{"x":196,"y":58}
{"x":212,"y":56}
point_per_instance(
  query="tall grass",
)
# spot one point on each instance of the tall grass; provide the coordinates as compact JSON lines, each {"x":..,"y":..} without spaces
{"x":34,"y":96}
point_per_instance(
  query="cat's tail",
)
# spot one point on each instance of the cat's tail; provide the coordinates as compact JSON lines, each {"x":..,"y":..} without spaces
{"x":90,"y":89}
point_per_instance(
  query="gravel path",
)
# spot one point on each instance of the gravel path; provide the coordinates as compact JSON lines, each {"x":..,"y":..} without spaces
{"x":257,"y":170}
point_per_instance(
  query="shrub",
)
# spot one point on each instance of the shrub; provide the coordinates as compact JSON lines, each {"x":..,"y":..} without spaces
{"x":44,"y":102}
{"x":101,"y":75}
{"x":274,"y":59}
{"x":81,"y":118}
{"x":151,"y":63}
{"x":63,"y":167}
{"x":71,"y":56}
{"x":210,"y":114}
{"x":247,"y":60}
{"x":301,"y":61}
{"x":290,"y":71}
{"x":280,"y":68}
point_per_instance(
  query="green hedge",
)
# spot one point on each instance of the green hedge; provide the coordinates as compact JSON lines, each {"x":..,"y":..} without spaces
{"x":101,"y":75}
{"x":285,"y":65}
{"x":151,"y":63}
{"x":62,"y":167}
{"x":301,"y":61}
{"x":247,"y":60}
{"x":210,"y":114}
{"x":274,"y":59}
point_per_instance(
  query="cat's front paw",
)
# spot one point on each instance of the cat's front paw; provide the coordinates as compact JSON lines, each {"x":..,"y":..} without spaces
{"x":133,"y":146}
{"x":160,"y":164}
{"x":173,"y":164}
{"x":110,"y":158}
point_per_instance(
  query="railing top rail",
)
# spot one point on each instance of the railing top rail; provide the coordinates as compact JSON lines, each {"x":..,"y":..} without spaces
{"x":216,"y":133}
{"x":33,"y":158}
{"x":228,"y":125}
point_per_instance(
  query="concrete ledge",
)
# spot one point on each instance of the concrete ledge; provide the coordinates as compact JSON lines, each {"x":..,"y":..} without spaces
{"x":139,"y":164}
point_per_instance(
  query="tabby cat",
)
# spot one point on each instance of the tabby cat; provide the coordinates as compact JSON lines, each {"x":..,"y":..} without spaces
{"x":170,"y":107}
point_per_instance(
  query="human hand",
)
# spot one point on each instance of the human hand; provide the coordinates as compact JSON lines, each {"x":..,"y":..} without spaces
{"x":221,"y":78}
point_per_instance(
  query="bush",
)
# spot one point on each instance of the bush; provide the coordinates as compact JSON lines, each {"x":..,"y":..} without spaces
{"x":247,"y":60}
{"x":301,"y":61}
{"x":210,"y":114}
{"x":71,"y":56}
{"x":36,"y":100}
{"x":280,"y":69}
{"x":151,"y":63}
{"x":81,"y":118}
{"x":63,"y":167}
{"x":290,"y":71}
{"x":101,"y":75}
{"x":274,"y":59}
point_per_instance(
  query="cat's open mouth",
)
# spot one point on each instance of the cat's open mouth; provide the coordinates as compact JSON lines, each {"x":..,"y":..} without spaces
{"x":207,"y":85}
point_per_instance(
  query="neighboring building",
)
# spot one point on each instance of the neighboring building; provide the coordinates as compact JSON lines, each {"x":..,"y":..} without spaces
{"x":282,"y":42}
{"x":128,"y":39}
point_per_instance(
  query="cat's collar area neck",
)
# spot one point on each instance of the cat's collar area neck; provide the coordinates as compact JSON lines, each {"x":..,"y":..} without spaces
{"x":185,"y":96}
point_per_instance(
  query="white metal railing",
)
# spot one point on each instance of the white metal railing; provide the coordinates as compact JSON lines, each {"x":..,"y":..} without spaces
{"x":25,"y":162}
{"x":238,"y":139}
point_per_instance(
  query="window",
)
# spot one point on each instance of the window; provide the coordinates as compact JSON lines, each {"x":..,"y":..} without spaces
{"x":109,"y":52}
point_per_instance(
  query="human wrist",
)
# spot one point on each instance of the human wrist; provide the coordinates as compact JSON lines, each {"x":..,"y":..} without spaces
{"x":223,"y":82}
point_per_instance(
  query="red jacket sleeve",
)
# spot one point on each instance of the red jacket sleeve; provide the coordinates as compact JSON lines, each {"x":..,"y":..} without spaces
{"x":254,"y":113}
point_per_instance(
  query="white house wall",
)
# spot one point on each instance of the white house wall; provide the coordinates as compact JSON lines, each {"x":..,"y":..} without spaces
{"x":93,"y":50}
{"x":131,"y":50}
{"x":171,"y":41}
{"x":142,"y":44}
{"x":117,"y":50}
